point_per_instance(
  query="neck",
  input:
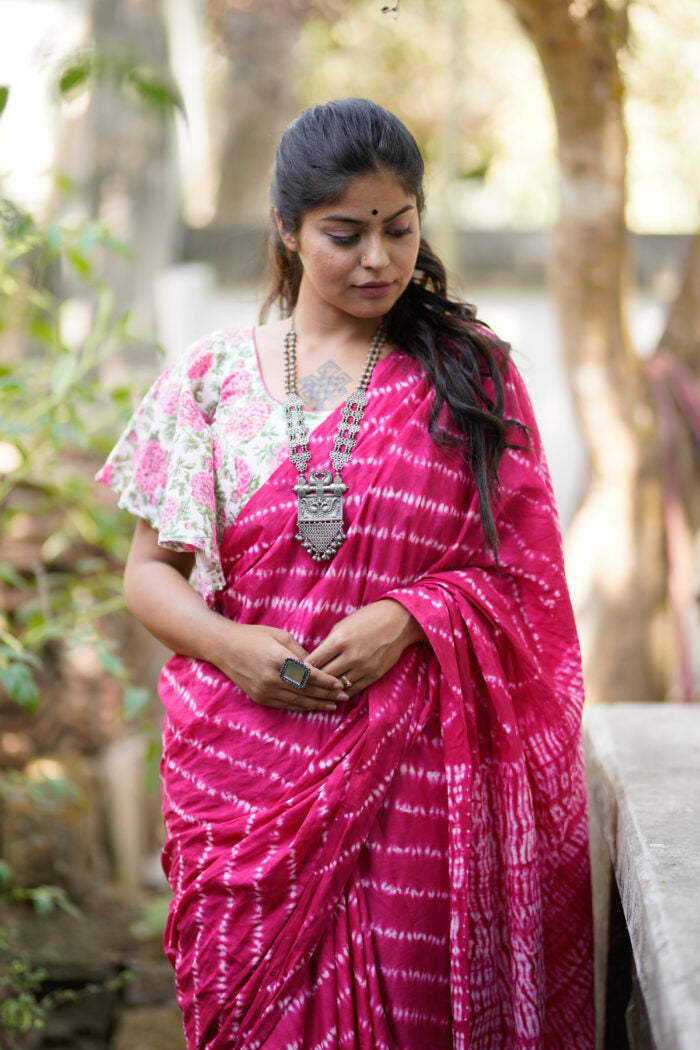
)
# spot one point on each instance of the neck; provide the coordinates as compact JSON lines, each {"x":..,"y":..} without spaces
{"x":323,"y":324}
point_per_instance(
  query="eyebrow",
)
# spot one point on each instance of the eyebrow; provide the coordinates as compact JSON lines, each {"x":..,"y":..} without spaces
{"x":361,"y":222}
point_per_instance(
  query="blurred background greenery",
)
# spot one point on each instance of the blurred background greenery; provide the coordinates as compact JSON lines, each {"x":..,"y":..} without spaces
{"x":136,"y":137}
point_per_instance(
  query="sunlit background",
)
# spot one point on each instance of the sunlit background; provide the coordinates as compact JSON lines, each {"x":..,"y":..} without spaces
{"x":462,"y":75}
{"x":135,"y":146}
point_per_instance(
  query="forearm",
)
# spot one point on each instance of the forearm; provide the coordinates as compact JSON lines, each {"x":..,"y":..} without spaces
{"x":160,"y":598}
{"x":251,"y":655}
{"x":411,"y":632}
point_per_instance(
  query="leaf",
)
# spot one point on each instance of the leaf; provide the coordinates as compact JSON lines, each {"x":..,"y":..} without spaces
{"x":89,"y":236}
{"x":80,"y":264}
{"x":152,"y":770}
{"x":11,"y":647}
{"x":54,"y":237}
{"x":112,"y":663}
{"x":117,"y":246}
{"x":76,"y":75}
{"x":135,"y":699}
{"x":64,"y":184}
{"x":63,"y":373}
{"x":9,"y":576}
{"x":20,"y":685}
{"x":153,"y":87}
{"x":46,"y":898}
{"x":4,"y":92}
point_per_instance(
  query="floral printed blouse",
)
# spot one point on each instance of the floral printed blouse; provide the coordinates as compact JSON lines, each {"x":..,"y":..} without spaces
{"x":204,"y":439}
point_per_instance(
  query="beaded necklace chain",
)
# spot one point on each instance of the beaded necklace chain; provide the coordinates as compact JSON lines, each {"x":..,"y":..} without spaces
{"x":320,"y":497}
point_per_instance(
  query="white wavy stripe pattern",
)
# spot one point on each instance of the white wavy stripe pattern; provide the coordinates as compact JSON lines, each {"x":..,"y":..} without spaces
{"x":409,"y":872}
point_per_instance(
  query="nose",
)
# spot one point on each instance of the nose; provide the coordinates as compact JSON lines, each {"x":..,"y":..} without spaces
{"x":374,"y":256}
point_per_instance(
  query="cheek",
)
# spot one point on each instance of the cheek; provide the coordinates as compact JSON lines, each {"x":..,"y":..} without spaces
{"x":326,"y":264}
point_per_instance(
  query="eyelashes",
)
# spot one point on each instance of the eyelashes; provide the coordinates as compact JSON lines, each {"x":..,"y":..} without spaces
{"x":352,"y":238}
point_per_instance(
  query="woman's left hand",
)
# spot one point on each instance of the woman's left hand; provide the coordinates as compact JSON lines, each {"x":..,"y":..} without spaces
{"x":366,"y":644}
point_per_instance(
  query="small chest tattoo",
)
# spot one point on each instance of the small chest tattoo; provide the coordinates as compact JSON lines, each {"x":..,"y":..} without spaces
{"x":326,"y":387}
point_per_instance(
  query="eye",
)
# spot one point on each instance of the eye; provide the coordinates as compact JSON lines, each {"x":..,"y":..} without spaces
{"x":348,"y":238}
{"x":401,"y":232}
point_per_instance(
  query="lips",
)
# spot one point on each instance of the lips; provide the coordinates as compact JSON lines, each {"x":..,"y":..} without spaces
{"x":373,"y":288}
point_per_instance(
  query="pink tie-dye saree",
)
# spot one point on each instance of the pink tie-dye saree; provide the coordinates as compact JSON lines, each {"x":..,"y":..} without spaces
{"x":410,"y":872}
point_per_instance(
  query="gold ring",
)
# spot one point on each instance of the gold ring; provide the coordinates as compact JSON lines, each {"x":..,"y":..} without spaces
{"x":346,"y":681}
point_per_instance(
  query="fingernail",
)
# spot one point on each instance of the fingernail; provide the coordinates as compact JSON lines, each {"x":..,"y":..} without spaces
{"x":329,"y":707}
{"x":343,"y":696}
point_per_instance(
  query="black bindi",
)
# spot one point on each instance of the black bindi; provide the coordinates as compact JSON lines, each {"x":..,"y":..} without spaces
{"x":374,"y":211}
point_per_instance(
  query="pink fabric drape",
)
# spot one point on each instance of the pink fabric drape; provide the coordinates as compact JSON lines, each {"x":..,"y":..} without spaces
{"x":410,"y":872}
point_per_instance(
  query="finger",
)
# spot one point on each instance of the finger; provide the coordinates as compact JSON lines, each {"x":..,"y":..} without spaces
{"x":317,"y":680}
{"x":323,"y":680}
{"x":311,"y":693}
{"x":323,"y":653}
{"x":341,"y":666}
{"x":357,"y":679}
{"x":297,"y":649}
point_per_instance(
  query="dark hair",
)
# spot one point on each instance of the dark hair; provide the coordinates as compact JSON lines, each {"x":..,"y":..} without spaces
{"x":318,"y":156}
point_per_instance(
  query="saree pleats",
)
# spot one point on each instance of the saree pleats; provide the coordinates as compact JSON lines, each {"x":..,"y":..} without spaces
{"x":409,"y":872}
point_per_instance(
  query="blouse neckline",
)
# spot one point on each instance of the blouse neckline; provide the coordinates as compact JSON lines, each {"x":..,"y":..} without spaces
{"x":317,"y":412}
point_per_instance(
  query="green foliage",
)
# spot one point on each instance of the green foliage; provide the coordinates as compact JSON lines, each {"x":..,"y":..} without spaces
{"x":24,"y":1004}
{"x":150,"y":923}
{"x":143,"y":83}
{"x":662,"y":114}
{"x":64,"y":544}
{"x":467,"y":83}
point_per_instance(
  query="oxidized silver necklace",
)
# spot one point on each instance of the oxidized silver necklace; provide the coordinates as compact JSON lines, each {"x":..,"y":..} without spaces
{"x":320,"y":497}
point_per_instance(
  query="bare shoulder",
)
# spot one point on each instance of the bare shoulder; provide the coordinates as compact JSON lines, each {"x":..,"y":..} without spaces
{"x":269,"y":338}
{"x":269,"y":342}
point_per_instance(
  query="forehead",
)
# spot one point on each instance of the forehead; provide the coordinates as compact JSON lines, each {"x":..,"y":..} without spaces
{"x":381,"y":193}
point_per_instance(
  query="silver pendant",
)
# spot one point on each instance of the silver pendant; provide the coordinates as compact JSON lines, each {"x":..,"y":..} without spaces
{"x":320,"y":513}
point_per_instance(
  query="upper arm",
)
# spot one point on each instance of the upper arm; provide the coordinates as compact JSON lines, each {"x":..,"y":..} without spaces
{"x":145,"y":548}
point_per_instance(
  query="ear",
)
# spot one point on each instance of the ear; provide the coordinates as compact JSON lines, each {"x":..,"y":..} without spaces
{"x":288,"y":239}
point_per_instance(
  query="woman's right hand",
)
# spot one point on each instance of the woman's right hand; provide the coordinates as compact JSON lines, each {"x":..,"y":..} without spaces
{"x":252,"y":655}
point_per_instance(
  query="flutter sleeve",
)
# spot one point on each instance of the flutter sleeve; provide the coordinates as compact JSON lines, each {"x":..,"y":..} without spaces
{"x":162,"y":467}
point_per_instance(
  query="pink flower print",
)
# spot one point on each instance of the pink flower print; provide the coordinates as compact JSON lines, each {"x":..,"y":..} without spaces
{"x":169,"y":512}
{"x":235,"y":385}
{"x":203,"y":489}
{"x":234,"y":335}
{"x":243,"y":476}
{"x":168,"y":395}
{"x":200,"y":345}
{"x":151,"y":471}
{"x":282,"y":454}
{"x":217,"y":453}
{"x":200,"y":366}
{"x":188,"y":412}
{"x":247,"y":422}
{"x":105,"y":474}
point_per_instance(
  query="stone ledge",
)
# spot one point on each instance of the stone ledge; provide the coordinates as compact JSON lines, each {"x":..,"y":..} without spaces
{"x":644,"y":791}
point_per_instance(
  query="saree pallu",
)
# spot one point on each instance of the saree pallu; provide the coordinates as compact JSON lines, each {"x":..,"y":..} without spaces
{"x":409,"y":872}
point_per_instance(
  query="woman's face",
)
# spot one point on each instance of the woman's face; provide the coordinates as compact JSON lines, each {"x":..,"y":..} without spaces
{"x":359,"y":253}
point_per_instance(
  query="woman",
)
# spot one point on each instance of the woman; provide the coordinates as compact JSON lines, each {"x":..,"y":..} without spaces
{"x":372,"y":774}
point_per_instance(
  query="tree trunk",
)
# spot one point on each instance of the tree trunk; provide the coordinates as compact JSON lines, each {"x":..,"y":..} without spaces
{"x":615,"y":543}
{"x":121,"y":155}
{"x":682,"y":333}
{"x":258,"y":102}
{"x":673,"y":372}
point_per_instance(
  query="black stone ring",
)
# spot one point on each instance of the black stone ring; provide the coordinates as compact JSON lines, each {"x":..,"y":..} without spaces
{"x":295,"y":673}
